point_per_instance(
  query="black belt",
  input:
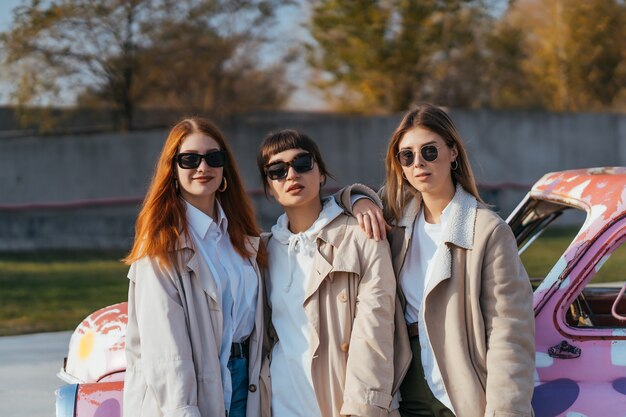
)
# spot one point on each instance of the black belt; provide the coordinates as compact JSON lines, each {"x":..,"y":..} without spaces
{"x":239,"y":350}
{"x":413,"y":329}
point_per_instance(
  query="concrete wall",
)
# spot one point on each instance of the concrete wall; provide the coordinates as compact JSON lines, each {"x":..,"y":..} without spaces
{"x":39,"y":176}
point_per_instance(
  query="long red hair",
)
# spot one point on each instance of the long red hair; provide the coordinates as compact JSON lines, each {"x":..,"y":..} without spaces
{"x":162,"y":218}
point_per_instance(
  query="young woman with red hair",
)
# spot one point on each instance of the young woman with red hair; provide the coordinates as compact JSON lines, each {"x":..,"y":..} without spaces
{"x":193,"y":342}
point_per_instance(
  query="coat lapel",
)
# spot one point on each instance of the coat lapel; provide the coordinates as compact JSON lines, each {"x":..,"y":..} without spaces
{"x":198,"y":265}
{"x":201,"y":270}
{"x":256,"y":338}
{"x":400,"y":238}
{"x":252,"y":245}
{"x":459,"y":232}
{"x":442,"y":267}
{"x":401,"y":234}
{"x":329,"y":257}
{"x":398,"y":243}
{"x":321,"y":269}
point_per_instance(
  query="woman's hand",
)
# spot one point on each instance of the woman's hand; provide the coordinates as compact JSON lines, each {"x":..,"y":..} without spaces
{"x":370,"y":218}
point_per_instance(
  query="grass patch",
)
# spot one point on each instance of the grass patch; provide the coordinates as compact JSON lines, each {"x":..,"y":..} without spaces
{"x":543,"y":254}
{"x":540,"y":257}
{"x":50,"y":291}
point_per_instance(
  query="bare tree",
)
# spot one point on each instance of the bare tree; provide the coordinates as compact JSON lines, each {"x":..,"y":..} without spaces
{"x":130,"y":53}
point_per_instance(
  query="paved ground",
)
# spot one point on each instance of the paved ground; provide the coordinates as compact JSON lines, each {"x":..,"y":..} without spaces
{"x":28,"y":367}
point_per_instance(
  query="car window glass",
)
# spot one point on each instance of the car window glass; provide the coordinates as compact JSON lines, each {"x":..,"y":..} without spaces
{"x":592,"y":307}
{"x":544,"y":247}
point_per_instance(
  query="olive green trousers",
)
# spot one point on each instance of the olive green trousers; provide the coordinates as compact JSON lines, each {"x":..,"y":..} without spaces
{"x":417,"y":398}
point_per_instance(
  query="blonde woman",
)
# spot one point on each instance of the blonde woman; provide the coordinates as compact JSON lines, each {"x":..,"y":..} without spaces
{"x":466,"y":298}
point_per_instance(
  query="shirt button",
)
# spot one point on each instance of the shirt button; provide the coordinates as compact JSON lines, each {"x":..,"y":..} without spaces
{"x":344,"y":347}
{"x":343,"y":297}
{"x":252,"y":388}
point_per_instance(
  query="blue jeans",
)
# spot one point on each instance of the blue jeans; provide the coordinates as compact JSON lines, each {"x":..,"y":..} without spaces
{"x":238,"y":368}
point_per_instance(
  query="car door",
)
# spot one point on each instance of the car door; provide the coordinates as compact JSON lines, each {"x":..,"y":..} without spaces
{"x":580,"y":343}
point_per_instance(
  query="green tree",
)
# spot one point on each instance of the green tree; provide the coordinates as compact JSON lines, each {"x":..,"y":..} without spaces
{"x":596,"y":51}
{"x":509,"y":86}
{"x":129,"y":53}
{"x":574,"y":52}
{"x":203,"y":67}
{"x":353,"y":51}
{"x":382,"y":55}
{"x":457,"y":60}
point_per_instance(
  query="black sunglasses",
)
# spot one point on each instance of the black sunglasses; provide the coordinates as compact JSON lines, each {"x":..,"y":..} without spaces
{"x":213,"y":159}
{"x":301,"y":164}
{"x":406,"y":157}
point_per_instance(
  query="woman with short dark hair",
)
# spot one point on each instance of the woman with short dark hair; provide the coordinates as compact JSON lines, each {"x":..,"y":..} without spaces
{"x":331,"y":297}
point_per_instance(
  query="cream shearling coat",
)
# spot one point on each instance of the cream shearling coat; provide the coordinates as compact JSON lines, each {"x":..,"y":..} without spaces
{"x":477,"y":308}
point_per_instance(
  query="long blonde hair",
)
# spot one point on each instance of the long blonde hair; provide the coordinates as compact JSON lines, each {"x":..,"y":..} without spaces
{"x":398,"y":192}
{"x":162,"y":218}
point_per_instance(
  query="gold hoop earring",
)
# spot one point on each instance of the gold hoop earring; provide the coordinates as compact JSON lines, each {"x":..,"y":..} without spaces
{"x":176,"y":186}
{"x":223,"y":186}
{"x":455,"y":165}
{"x":404,"y":176}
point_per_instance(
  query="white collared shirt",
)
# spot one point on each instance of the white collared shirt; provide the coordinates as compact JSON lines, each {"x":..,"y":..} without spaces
{"x":415,"y":275}
{"x":235,"y":278}
{"x":290,"y":262}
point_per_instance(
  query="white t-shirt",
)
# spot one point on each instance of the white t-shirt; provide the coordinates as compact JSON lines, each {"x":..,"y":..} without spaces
{"x":415,"y":275}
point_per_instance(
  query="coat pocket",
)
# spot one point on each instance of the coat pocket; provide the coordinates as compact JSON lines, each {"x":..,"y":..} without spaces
{"x":135,"y":394}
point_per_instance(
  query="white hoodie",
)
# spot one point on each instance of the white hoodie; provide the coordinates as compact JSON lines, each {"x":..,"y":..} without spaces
{"x":290,"y":262}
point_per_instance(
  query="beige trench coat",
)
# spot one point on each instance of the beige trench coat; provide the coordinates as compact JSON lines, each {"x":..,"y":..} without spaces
{"x":174,"y":337}
{"x":477,"y":308}
{"x":351,"y":303}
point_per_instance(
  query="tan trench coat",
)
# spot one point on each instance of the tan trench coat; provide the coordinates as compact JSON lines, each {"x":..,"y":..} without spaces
{"x":174,"y":337}
{"x":351,"y":302}
{"x":477,"y":308}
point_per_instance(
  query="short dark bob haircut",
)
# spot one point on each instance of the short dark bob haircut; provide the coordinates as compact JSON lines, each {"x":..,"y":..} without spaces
{"x":283,"y":140}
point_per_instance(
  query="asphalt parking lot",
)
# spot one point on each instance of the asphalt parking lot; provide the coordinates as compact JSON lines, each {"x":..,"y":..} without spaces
{"x":28,"y":367}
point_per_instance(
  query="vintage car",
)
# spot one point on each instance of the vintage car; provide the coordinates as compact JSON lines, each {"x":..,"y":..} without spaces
{"x":95,"y":365}
{"x":580,"y":324}
{"x":580,"y":308}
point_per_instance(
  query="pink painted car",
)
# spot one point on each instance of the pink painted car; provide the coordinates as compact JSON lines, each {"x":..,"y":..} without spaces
{"x":580,"y":324}
{"x":580,"y":308}
{"x":95,"y":365}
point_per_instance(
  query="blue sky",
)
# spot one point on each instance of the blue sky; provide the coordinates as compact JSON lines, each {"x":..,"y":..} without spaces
{"x":6,"y":7}
{"x":6,"y":15}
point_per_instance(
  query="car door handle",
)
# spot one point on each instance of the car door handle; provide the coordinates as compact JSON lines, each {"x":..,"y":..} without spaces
{"x":564,"y":351}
